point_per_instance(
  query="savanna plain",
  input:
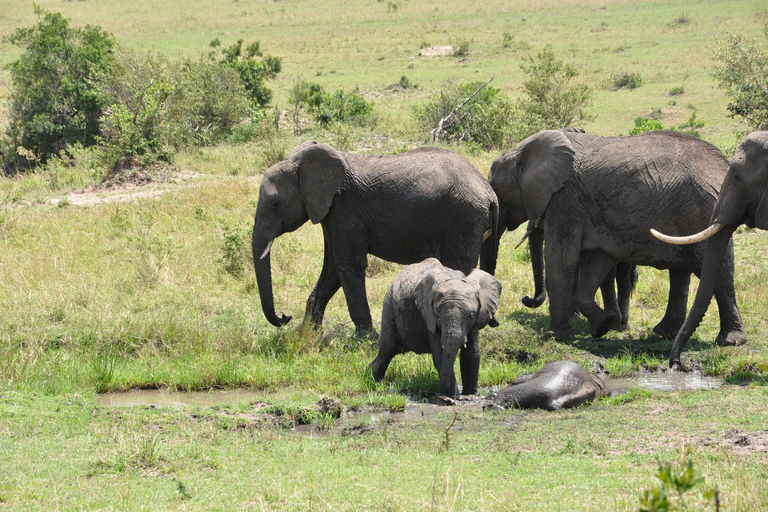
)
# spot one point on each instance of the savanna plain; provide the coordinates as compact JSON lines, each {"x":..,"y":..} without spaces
{"x":148,"y":284}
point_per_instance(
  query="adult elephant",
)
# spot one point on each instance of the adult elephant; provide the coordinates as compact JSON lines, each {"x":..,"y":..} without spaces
{"x":743,"y":199}
{"x":596,"y":199}
{"x":428,"y":202}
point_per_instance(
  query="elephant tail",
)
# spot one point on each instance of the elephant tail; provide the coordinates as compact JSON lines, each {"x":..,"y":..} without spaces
{"x":489,"y":248}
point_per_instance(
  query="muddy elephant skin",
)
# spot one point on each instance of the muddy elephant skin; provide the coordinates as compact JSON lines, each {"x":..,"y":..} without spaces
{"x":430,"y":308}
{"x":558,"y":385}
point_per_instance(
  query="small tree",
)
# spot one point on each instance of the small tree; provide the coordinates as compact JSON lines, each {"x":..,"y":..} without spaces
{"x":253,"y":71}
{"x":743,"y":74}
{"x":53,"y":101}
{"x":554,"y":98}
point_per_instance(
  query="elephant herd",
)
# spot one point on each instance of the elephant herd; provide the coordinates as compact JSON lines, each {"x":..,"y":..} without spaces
{"x":595,"y":209}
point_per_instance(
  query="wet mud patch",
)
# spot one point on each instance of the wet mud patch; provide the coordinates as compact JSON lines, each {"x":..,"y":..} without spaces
{"x":742,"y":443}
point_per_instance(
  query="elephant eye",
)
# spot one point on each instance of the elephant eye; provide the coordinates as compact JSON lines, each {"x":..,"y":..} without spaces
{"x":275,"y":205}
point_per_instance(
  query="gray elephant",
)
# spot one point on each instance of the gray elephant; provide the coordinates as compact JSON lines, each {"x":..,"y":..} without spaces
{"x":430,"y":308}
{"x":596,"y":199}
{"x":558,"y":385}
{"x":402,"y":208}
{"x":743,"y":199}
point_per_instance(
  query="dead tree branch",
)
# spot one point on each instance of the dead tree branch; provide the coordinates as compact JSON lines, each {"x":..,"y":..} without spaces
{"x":447,"y":120}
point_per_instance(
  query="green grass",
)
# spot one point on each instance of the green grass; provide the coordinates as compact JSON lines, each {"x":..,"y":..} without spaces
{"x":142,"y":294}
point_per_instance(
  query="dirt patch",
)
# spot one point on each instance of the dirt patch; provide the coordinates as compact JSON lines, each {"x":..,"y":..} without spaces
{"x":131,"y":186}
{"x":435,"y":51}
{"x":742,"y":443}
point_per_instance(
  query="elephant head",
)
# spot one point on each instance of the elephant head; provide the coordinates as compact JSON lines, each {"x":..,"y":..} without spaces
{"x":454,"y":307}
{"x":524,"y":179}
{"x":298,"y":189}
{"x":743,"y":197}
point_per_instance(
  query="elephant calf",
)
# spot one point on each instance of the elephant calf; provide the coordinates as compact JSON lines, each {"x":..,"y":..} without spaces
{"x":558,"y":385}
{"x":432,"y":308}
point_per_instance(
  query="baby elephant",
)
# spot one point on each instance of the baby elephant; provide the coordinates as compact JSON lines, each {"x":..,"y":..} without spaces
{"x":432,"y":308}
{"x":558,"y":385}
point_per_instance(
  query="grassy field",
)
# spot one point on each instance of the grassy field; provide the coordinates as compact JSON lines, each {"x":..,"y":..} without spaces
{"x":103,"y":295}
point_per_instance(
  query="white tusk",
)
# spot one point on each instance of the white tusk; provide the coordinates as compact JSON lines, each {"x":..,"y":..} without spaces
{"x":692,"y":239}
{"x":266,"y":251}
{"x":486,"y":235}
{"x":525,"y":237}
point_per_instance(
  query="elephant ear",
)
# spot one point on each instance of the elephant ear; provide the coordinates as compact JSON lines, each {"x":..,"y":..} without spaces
{"x":544,"y":164}
{"x":425,"y":294}
{"x":322,"y":171}
{"x":489,"y":293}
{"x":761,"y":214}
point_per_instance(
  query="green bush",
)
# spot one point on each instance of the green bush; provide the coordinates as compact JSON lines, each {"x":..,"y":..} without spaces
{"x":158,"y":105}
{"x":626,"y":80}
{"x":491,"y":119}
{"x":53,"y":101}
{"x":328,"y":108}
{"x":554,"y":97}
{"x":645,"y":124}
{"x":253,"y":71}
{"x":743,"y":73}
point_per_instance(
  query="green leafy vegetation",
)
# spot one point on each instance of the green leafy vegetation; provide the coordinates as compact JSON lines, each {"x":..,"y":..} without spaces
{"x":743,"y":73}
{"x":54,"y":100}
{"x":626,"y":80}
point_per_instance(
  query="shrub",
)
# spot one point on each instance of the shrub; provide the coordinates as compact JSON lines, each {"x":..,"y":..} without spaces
{"x":328,"y":108}
{"x":743,"y":73}
{"x":157,"y":105}
{"x":462,"y":48}
{"x":490,"y":120}
{"x":553,"y":95}
{"x":53,"y":101}
{"x":676,"y":91}
{"x":645,"y":124}
{"x":625,"y":80}
{"x":252,"y":70}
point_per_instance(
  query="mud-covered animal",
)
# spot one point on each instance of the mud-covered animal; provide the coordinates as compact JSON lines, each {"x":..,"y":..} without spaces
{"x":428,"y":202}
{"x":430,"y":308}
{"x":558,"y":385}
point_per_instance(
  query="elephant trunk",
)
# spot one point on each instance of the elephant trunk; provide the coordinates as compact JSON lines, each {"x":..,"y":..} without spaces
{"x":710,"y":270}
{"x":489,"y":249}
{"x":536,"y":247}
{"x":691,"y":239}
{"x":262,"y":264}
{"x":454,"y":337}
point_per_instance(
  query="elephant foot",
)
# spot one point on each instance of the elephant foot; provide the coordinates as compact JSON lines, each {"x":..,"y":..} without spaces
{"x":366,"y":332}
{"x":624,"y":326}
{"x":561,"y":333}
{"x":666,"y":329}
{"x":731,"y":338}
{"x":604,"y":323}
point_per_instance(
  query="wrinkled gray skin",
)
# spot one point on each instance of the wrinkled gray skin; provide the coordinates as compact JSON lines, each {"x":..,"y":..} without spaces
{"x":558,"y":385}
{"x":401,"y":208}
{"x":596,"y":199}
{"x":615,"y":299}
{"x":430,"y":308}
{"x":743,"y":199}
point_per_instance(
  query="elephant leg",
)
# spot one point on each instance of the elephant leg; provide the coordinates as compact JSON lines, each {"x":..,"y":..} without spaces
{"x":351,"y":261}
{"x":469,"y":362}
{"x":562,"y":263}
{"x":626,"y":277}
{"x":731,"y":325}
{"x":389,"y":343}
{"x":610,"y":300}
{"x":677,"y":304}
{"x":594,"y":266}
{"x":327,"y":285}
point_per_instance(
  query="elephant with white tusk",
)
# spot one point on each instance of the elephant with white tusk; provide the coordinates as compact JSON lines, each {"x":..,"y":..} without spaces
{"x":595,"y":198}
{"x":743,"y":199}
